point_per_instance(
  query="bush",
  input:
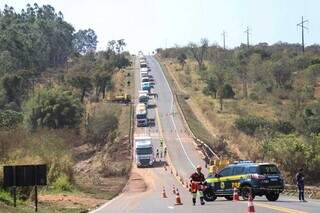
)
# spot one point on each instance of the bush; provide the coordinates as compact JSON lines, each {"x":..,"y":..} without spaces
{"x":54,"y":108}
{"x":253,"y":96}
{"x":10,"y":119}
{"x":102,"y":125}
{"x":5,"y":197}
{"x":250,"y":123}
{"x":62,"y":183}
{"x":284,"y":127}
{"x":228,"y":91}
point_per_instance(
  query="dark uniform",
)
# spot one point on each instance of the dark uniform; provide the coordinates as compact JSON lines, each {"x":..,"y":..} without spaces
{"x":300,"y":184}
{"x":196,"y":185}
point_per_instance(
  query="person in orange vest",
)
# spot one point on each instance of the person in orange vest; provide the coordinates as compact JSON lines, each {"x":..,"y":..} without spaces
{"x":196,"y":185}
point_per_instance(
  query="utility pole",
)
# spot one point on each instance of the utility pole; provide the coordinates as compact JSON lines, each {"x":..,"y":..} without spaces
{"x":248,"y":34}
{"x":301,"y":24}
{"x":224,"y":39}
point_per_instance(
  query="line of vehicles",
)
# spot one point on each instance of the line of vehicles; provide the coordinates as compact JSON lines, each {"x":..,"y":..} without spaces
{"x":257,"y":179}
{"x":144,"y":150}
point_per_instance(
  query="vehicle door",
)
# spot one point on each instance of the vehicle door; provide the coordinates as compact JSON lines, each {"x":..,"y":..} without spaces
{"x":236,"y":178}
{"x":222,"y":184}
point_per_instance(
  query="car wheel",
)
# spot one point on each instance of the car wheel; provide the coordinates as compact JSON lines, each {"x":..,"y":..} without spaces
{"x":272,"y":196}
{"x":208,"y":195}
{"x":245,"y":192}
{"x":228,"y":197}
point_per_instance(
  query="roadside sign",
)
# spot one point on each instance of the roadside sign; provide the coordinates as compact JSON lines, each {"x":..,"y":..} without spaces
{"x":25,"y":175}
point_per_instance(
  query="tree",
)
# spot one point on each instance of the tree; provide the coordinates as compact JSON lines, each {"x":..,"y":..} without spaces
{"x":81,"y":81}
{"x":281,"y":73}
{"x":85,"y":41}
{"x":199,"y":52}
{"x":220,"y":69}
{"x":211,"y":88}
{"x":241,"y":58}
{"x":182,"y":59}
{"x":53,"y":108}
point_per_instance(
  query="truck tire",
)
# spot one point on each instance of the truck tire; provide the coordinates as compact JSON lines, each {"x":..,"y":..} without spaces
{"x":272,"y":196}
{"x":208,"y":195}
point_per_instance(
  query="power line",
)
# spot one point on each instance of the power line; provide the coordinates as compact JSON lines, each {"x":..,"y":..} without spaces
{"x":301,"y":24}
{"x":248,"y":34}
{"x":224,"y":33}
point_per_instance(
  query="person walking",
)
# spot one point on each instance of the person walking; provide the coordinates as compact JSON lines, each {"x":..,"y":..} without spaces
{"x":196,"y":185}
{"x":300,"y":184}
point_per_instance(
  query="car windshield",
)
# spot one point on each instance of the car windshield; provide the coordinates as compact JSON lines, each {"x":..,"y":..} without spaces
{"x":144,"y":151}
{"x":268,"y":170}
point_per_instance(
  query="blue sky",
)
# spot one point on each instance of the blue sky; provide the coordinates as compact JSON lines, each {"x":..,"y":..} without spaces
{"x":148,"y":24}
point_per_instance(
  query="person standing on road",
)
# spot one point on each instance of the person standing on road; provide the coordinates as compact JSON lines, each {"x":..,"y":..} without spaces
{"x":300,"y":184}
{"x":196,"y":185}
{"x":157,"y":154}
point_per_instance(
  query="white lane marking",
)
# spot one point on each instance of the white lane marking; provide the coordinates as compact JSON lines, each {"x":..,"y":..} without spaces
{"x":107,"y":204}
{"x":170,"y":207}
{"x":174,"y":124}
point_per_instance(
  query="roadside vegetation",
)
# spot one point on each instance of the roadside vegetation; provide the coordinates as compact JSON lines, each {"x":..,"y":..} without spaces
{"x":53,"y":87}
{"x":259,"y":102}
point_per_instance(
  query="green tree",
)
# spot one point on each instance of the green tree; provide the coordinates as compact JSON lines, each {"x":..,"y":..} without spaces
{"x":85,"y":41}
{"x":53,"y":108}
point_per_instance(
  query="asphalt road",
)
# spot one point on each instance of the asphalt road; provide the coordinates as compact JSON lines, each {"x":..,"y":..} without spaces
{"x":143,"y":191}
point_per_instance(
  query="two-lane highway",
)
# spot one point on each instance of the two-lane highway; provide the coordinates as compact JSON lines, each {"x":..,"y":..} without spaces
{"x":143,"y":192}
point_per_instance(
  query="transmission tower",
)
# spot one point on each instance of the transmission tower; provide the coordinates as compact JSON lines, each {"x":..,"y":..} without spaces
{"x":301,"y":24}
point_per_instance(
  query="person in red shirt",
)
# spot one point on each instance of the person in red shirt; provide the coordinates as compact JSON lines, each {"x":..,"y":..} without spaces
{"x":196,"y":185}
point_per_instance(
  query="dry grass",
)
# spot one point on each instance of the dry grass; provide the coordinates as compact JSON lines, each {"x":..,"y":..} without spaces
{"x":207,"y":108}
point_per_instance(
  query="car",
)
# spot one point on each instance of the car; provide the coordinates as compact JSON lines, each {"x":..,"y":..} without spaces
{"x":261,"y":179}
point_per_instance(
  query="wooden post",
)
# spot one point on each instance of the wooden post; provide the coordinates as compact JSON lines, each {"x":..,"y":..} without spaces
{"x":36,"y":187}
{"x":14,"y":188}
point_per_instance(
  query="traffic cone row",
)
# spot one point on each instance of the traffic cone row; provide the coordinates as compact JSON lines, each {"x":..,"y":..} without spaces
{"x":176,"y":192}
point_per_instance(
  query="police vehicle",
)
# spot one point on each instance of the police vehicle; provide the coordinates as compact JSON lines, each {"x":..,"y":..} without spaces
{"x":258,"y":178}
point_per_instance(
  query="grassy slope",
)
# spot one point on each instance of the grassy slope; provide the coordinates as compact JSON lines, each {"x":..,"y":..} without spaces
{"x":88,"y":190}
{"x":210,"y":121}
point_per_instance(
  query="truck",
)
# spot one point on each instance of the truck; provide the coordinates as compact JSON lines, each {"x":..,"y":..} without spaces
{"x":124,"y":98}
{"x":144,"y":153}
{"x":141,"y":115}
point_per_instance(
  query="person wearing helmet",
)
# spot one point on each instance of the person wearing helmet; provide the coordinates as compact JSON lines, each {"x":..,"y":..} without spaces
{"x":196,"y":185}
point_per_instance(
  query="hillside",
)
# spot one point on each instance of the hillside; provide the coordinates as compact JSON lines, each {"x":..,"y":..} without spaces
{"x":259,"y":103}
{"x":53,"y":110}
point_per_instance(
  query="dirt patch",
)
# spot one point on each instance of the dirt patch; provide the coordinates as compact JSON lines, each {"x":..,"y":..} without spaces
{"x":135,"y":184}
{"x":71,"y":200}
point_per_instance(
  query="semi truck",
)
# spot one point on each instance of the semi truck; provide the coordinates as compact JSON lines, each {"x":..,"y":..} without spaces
{"x":141,"y":115}
{"x":144,"y":153}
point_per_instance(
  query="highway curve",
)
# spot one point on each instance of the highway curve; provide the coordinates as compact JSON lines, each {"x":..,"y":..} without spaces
{"x":143,"y":191}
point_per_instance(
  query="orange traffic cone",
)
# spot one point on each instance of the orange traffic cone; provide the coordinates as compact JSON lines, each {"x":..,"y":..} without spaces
{"x":235,"y":194}
{"x":178,"y":199}
{"x":173,"y":190}
{"x":250,"y":205}
{"x":164,"y":195}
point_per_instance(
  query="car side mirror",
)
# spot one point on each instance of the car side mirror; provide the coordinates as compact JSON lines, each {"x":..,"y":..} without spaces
{"x":217,"y":175}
